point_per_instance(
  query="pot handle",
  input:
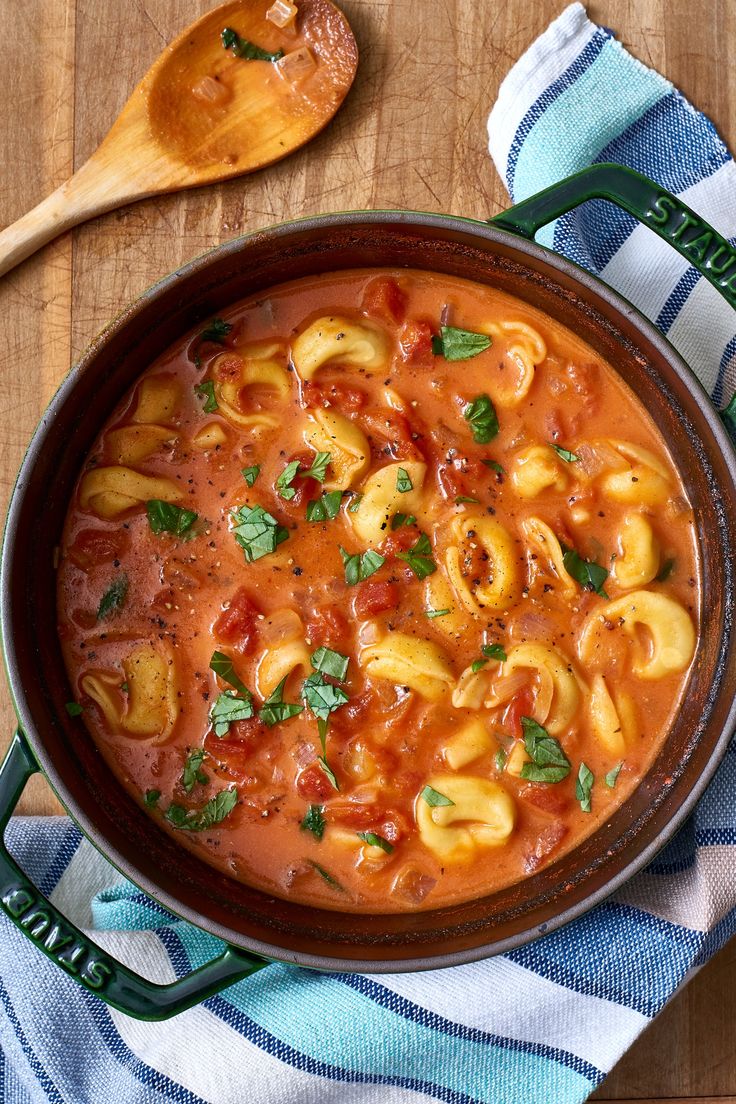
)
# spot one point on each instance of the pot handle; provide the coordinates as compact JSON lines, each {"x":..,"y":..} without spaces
{"x":710,"y":253}
{"x":62,"y":942}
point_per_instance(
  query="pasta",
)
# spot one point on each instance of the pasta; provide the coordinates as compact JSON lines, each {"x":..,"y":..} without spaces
{"x":497,"y":584}
{"x":482,"y":814}
{"x":382,"y":498}
{"x":346,"y":443}
{"x":338,"y":338}
{"x":108,"y":492}
{"x":407,"y":660}
{"x":669,"y":627}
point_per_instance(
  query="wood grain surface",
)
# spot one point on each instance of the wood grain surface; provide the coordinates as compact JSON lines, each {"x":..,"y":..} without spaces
{"x":411,"y":134}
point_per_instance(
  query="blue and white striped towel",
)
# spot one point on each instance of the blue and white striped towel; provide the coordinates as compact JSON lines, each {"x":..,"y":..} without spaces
{"x":545,"y":1023}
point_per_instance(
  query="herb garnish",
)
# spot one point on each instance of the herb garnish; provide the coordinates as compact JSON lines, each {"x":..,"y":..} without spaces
{"x":275,"y":709}
{"x":419,"y":558}
{"x":665,"y":571}
{"x":314,"y":821}
{"x":242,"y":48}
{"x":321,"y":696}
{"x":610,"y":778}
{"x":198,"y":820}
{"x":229,"y":707}
{"x":549,"y":762}
{"x":402,"y":519}
{"x":434,"y":798}
{"x":325,"y":508}
{"x":251,"y":474}
{"x":583,"y":787}
{"x":322,"y":760}
{"x":500,"y":759}
{"x":354,"y":504}
{"x":589,"y":574}
{"x":319,"y":467}
{"x":206,"y":391}
{"x":454,"y":344}
{"x":481,"y":415}
{"x":113,"y":597}
{"x":330,"y":663}
{"x":494,"y":466}
{"x":216,"y":331}
{"x":490,"y":651}
{"x":331,"y":881}
{"x":192,"y":772}
{"x":164,"y":517}
{"x":564,"y":454}
{"x":151,"y":798}
{"x":374,"y":840}
{"x":223,"y":667}
{"x":74,"y":709}
{"x":360,"y":566}
{"x":403,"y":481}
{"x":432,"y":613}
{"x":287,"y":477}
{"x":258,"y":533}
{"x":465,"y":498}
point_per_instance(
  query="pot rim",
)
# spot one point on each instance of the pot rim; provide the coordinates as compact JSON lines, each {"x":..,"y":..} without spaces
{"x":432,"y":220}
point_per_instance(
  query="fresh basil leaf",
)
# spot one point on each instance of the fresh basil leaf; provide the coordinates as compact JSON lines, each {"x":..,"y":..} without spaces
{"x":321,"y":696}
{"x":481,"y":415}
{"x":325,"y":508}
{"x":374,"y":840}
{"x":434,"y":798}
{"x":251,"y":474}
{"x":583,"y":787}
{"x":432,"y":613}
{"x":478,"y":665}
{"x":199,"y":820}
{"x":124,"y":687}
{"x":319,"y":467}
{"x":192,"y":772}
{"x":419,"y":557}
{"x":329,"y":772}
{"x":287,"y":477}
{"x":74,"y":709}
{"x":151,"y":798}
{"x":275,"y":709}
{"x":665,"y":571}
{"x":402,"y":519}
{"x":610,"y":778}
{"x":494,"y":466}
{"x":490,"y":651}
{"x":454,"y":344}
{"x":314,"y":821}
{"x":227,"y":708}
{"x":728,"y":416}
{"x":330,"y":663}
{"x":258,"y":533}
{"x":589,"y":574}
{"x":465,"y":498}
{"x":549,"y":762}
{"x":500,"y":759}
{"x":242,"y":48}
{"x":331,"y":881}
{"x":216,"y":331}
{"x":206,"y":391}
{"x":360,"y":566}
{"x":164,"y":517}
{"x":223,"y":667}
{"x":403,"y":481}
{"x":564,"y":454}
{"x":354,"y":503}
{"x":113,"y":598}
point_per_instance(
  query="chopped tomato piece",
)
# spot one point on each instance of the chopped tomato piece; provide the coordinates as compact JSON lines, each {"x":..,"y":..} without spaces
{"x":238,"y":624}
{"x":519,"y":706}
{"x":374,"y":597}
{"x":327,"y":627}
{"x":550,"y":797}
{"x":97,"y":546}
{"x":383,"y":297}
{"x":347,"y":399}
{"x":463,"y":475}
{"x":369,"y":816}
{"x":228,"y":368}
{"x":313,"y":784}
{"x":415,"y":341}
{"x":548,"y":839}
{"x":392,"y":434}
{"x":399,"y":540}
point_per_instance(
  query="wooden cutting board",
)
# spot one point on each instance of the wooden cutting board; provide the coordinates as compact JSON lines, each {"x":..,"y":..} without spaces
{"x":411,"y":134}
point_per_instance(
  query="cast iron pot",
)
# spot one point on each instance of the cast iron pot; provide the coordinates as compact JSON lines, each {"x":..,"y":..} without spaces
{"x":255,"y":927}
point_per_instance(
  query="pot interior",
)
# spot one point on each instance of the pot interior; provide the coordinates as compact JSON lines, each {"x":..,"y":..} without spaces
{"x":78,"y":772}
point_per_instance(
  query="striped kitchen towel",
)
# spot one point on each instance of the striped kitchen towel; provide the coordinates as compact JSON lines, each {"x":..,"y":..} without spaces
{"x":541,"y":1025}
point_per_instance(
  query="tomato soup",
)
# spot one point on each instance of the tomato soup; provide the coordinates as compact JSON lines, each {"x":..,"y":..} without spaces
{"x":379,"y":591}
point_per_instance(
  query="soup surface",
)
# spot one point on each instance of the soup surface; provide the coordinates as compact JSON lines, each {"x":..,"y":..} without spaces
{"x":379,"y":592}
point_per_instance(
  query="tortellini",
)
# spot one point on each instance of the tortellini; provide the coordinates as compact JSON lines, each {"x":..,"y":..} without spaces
{"x":526,"y":348}
{"x":261,"y":366}
{"x":482,"y":815}
{"x":471,"y":688}
{"x":409,"y":661}
{"x":536,"y":469}
{"x":346,"y":443}
{"x":112,"y":490}
{"x":382,"y":498}
{"x":557,"y":694}
{"x":210,"y":436}
{"x":337,"y":338}
{"x":158,"y":398}
{"x":669,"y":627}
{"x":438,"y":595}
{"x":149,"y":708}
{"x":545,"y":543}
{"x":612,"y":722}
{"x":638,"y":560}
{"x":494,"y":585}
{"x":280,"y":661}
{"x":645,"y":482}
{"x":131,"y":443}
{"x":467,"y":745}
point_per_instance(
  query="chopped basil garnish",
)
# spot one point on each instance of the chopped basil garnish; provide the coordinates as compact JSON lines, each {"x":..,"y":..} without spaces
{"x":192,"y":772}
{"x":665,"y":571}
{"x":329,"y":772}
{"x":465,"y":498}
{"x":164,"y":517}
{"x":206,"y":391}
{"x":434,"y":798}
{"x":494,"y":466}
{"x":454,"y":344}
{"x":500,"y":759}
{"x":124,"y":687}
{"x":610,"y":778}
{"x":74,"y":709}
{"x":251,"y":474}
{"x":330,"y":663}
{"x":549,"y":762}
{"x":275,"y":709}
{"x":325,"y":508}
{"x":564,"y":454}
{"x":319,"y":467}
{"x":314,"y":821}
{"x":228,"y":708}
{"x":432,"y":613}
{"x":223,"y":667}
{"x":113,"y":597}
{"x":257,"y":532}
{"x":199,"y":820}
{"x":482,"y":418}
{"x":403,"y":481}
{"x":331,"y":881}
{"x":589,"y":574}
{"x":354,"y":504}
{"x":583,"y":787}
{"x":490,"y":651}
{"x":402,"y":519}
{"x":216,"y":331}
{"x":321,"y":696}
{"x":287,"y":477}
{"x":419,"y":558}
{"x":242,"y":48}
{"x":376,"y":841}
{"x":151,"y":798}
{"x":360,"y":566}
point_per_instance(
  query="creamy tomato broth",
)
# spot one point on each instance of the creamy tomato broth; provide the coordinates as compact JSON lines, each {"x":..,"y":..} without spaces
{"x":379,"y":592}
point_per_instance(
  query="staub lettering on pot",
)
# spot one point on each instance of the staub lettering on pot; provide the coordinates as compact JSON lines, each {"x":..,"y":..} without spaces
{"x":49,"y":933}
{"x":697,"y":240}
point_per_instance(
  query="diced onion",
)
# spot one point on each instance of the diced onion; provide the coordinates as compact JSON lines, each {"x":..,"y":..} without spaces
{"x":281,"y":626}
{"x":281,"y":13}
{"x":299,"y":63}
{"x":210,"y":90}
{"x":369,"y":632}
{"x":412,"y":885}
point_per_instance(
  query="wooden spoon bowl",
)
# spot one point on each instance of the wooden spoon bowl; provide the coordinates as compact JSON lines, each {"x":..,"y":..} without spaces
{"x":202,"y":113}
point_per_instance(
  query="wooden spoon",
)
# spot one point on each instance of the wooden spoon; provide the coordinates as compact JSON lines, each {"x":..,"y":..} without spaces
{"x":203,"y":113}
